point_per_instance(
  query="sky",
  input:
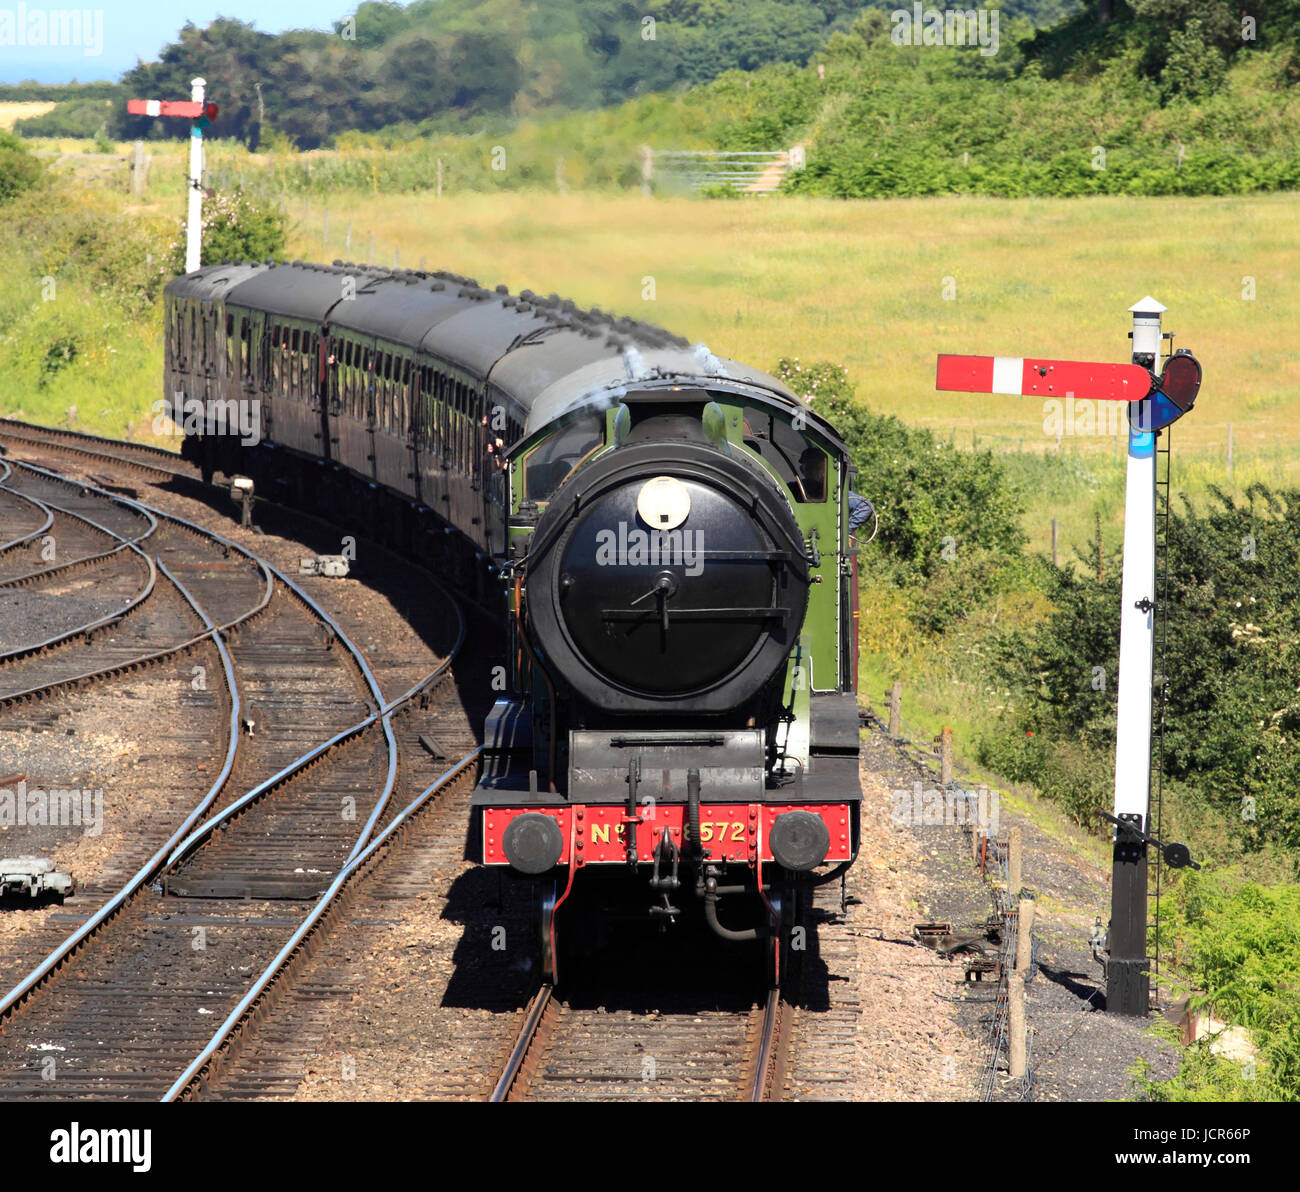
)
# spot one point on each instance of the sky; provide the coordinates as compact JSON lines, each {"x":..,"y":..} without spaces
{"x":100,"y":42}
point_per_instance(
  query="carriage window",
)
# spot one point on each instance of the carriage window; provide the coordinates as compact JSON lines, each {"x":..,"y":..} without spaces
{"x":551,"y":461}
{"x":310,"y":355}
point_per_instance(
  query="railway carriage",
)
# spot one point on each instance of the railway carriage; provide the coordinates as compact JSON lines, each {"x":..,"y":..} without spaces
{"x":667,"y":531}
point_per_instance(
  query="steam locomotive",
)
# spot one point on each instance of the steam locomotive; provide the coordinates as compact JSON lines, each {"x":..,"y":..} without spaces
{"x":677,"y":730}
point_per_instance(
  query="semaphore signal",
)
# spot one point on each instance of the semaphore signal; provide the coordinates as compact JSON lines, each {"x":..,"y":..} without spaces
{"x":202,"y":114}
{"x":1155,"y":400}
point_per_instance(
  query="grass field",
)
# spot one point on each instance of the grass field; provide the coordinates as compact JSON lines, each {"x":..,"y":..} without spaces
{"x":863,"y":283}
{"x":10,"y":113}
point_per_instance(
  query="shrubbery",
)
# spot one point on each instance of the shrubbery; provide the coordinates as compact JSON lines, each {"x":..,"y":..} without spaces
{"x":73,"y":118}
{"x":1237,"y":945}
{"x":1232,"y":716}
{"x":236,"y":227}
{"x":19,"y":170}
{"x":949,"y":519}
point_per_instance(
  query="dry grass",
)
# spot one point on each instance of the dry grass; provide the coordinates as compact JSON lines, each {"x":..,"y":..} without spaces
{"x":11,"y":113}
{"x":861,"y":282}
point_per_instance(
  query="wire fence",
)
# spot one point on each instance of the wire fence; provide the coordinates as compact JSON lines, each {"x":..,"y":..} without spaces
{"x":993,"y":856}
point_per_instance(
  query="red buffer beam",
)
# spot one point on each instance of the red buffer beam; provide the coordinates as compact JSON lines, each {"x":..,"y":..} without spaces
{"x":1043,"y":378}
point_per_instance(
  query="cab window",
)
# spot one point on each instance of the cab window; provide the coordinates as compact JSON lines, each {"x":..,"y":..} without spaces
{"x":800,"y":463}
{"x":551,"y":461}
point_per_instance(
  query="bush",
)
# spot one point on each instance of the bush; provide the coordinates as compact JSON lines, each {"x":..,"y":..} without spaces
{"x":236,"y":227}
{"x":1079,"y":779}
{"x":949,"y":519}
{"x":1238,"y":944}
{"x":1231,"y":717}
{"x":73,"y":235}
{"x":19,"y":170}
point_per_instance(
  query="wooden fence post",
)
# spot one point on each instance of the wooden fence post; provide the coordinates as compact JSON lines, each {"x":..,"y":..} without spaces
{"x":1016,"y":1025}
{"x":137,"y":170}
{"x":1013,"y":863}
{"x":1025,"y":936}
{"x":896,"y":711}
{"x":945,"y":756}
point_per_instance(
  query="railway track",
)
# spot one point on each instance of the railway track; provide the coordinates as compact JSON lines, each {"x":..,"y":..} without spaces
{"x":138,"y":963}
{"x":247,"y":1013}
{"x":567,"y":1052}
{"x":152,"y":463}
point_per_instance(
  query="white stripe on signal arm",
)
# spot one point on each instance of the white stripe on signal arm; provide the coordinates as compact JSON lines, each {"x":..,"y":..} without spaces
{"x":1007,"y":374}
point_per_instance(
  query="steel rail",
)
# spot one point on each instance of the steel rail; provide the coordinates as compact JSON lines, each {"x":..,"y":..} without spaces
{"x":523,"y":1044}
{"x":226,"y":545}
{"x":98,"y":623}
{"x":768,"y":1045}
{"x":382,"y":715}
{"x":187,"y":836}
{"x":49,"y":513}
{"x":13,"y":429}
{"x":151,"y":868}
{"x":227,"y":1029}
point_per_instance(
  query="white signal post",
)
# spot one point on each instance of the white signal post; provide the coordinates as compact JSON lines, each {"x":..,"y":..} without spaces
{"x":1138,"y":593}
{"x":1127,"y":975}
{"x":194,"y":214}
